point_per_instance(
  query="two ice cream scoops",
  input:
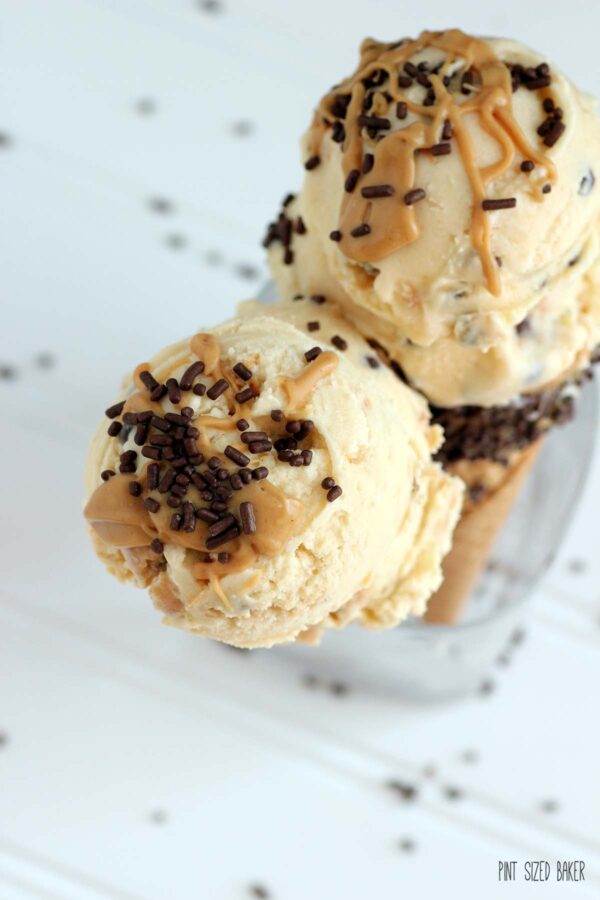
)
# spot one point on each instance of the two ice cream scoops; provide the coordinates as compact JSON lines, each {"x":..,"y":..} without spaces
{"x":280,"y":474}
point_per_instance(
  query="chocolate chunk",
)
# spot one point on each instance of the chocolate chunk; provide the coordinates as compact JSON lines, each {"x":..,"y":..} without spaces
{"x":586,"y":186}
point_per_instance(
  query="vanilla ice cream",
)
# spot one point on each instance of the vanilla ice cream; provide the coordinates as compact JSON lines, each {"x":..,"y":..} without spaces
{"x":270,"y":478}
{"x":450,"y":204}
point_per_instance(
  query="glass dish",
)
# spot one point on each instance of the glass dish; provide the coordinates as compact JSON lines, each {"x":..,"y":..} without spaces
{"x":421,"y":661}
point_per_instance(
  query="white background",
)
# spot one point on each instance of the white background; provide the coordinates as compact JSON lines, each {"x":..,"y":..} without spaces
{"x":137,"y":762}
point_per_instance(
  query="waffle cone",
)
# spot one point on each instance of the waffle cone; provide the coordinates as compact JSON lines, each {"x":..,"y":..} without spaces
{"x":478,"y":528}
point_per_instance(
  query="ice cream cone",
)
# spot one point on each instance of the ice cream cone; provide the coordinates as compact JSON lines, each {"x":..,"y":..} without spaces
{"x":494,"y":489}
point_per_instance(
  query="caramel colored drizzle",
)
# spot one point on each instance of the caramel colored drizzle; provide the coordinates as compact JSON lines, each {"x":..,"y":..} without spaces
{"x":392,"y":222}
{"x":278,"y":520}
{"x":206,"y":348}
{"x":142,"y":367}
{"x":122,"y":520}
{"x":119,"y":518}
{"x":299,"y":388}
{"x":140,"y":402}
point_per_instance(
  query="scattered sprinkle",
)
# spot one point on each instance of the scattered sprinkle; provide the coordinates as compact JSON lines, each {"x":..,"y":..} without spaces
{"x":403,"y":790}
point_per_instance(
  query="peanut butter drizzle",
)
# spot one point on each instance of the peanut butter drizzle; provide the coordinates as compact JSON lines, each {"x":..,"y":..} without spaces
{"x":299,"y":388}
{"x":122,"y":521}
{"x":206,"y":348}
{"x":119,"y":518}
{"x":393,"y":223}
{"x":278,"y":520}
{"x":142,"y":367}
{"x":140,"y":402}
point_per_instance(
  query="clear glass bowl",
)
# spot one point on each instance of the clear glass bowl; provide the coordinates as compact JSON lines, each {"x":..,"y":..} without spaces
{"x":421,"y":661}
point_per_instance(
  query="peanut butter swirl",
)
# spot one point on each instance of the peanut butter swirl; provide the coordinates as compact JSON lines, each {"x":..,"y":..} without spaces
{"x":378,"y":210}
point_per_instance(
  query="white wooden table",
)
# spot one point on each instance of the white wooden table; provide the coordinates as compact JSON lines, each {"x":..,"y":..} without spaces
{"x":143,"y":145}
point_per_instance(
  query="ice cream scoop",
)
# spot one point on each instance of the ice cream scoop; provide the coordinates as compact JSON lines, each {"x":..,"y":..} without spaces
{"x":450,"y":204}
{"x":270,"y":478}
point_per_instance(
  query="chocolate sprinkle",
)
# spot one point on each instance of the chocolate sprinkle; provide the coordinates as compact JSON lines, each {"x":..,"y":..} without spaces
{"x":374,"y":123}
{"x":152,"y":475}
{"x":239,"y":458}
{"x":114,"y":428}
{"x":250,"y":436}
{"x":368,"y":163}
{"x":189,"y":517}
{"x":377,"y":190}
{"x":475,"y":432}
{"x":402,"y":790}
{"x":339,"y":342}
{"x":113,"y":411}
{"x":173,"y":390}
{"x":218,"y":388}
{"x":351,"y":180}
{"x":312,"y":353}
{"x":244,"y":395}
{"x":148,"y":380}
{"x":242,"y":371}
{"x":335,"y":235}
{"x":361,"y":230}
{"x":213,"y":542}
{"x":107,"y":473}
{"x":500,"y":203}
{"x":553,"y":133}
{"x":447,"y":130}
{"x":248,"y":517}
{"x":333,"y":493}
{"x":191,"y":373}
{"x":414,"y":196}
{"x":260,"y":446}
{"x":207,"y":515}
{"x":312,"y":163}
